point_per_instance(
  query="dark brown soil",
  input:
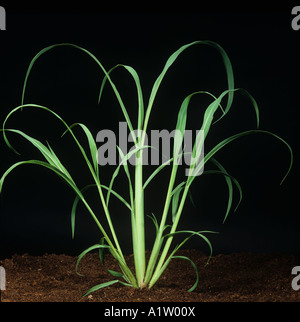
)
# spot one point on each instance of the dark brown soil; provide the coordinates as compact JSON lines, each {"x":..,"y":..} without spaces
{"x":240,"y":277}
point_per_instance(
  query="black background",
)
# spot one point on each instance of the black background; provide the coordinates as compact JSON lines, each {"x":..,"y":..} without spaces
{"x":35,"y":205}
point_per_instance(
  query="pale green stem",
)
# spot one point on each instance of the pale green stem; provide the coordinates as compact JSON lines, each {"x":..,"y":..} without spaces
{"x":158,"y":270}
{"x":157,"y":244}
{"x":139,"y":233}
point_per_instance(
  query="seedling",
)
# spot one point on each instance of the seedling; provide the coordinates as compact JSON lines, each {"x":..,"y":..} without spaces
{"x":145,"y":274}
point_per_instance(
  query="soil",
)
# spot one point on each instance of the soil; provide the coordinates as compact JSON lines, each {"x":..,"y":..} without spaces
{"x":237,"y":277}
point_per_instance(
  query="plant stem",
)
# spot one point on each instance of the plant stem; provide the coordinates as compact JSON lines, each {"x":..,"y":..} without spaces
{"x":158,"y":270}
{"x":158,"y":240}
{"x":139,"y":237}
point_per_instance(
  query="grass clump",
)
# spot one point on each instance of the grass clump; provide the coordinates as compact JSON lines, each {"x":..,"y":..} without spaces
{"x":145,"y":274}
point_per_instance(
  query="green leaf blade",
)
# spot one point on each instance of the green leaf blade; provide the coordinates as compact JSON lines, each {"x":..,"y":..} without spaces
{"x":89,"y":249}
{"x":195,"y":268}
{"x":100,"y":286}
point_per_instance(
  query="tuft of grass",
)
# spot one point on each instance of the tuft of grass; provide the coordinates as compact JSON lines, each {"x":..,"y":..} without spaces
{"x":146,"y":274}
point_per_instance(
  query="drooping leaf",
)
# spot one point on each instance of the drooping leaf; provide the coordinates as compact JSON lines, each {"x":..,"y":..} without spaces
{"x":44,"y":164}
{"x":99,"y":286}
{"x":195,"y":268}
{"x":229,"y":180}
{"x":139,"y":92}
{"x":172,"y":59}
{"x":44,"y":50}
{"x":155,"y":222}
{"x":89,"y":249}
{"x":191,"y":234}
{"x":239,"y":135}
{"x":92,"y":145}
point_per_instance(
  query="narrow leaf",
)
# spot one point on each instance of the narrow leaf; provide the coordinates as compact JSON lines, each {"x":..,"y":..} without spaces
{"x":74,"y":207}
{"x":139,"y":91}
{"x":99,"y":286}
{"x":229,"y":180}
{"x":92,"y":145}
{"x":102,"y":250}
{"x":175,"y":201}
{"x":115,"y":274}
{"x":96,"y":246}
{"x":195,"y":268}
{"x":43,"y":51}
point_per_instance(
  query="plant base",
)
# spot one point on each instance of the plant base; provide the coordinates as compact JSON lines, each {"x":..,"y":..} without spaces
{"x":243,"y":277}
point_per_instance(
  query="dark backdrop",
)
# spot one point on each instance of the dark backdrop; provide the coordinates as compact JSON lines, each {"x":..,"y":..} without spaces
{"x":35,"y":205}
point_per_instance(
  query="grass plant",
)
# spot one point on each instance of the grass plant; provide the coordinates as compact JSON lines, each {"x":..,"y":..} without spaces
{"x":146,"y":274}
